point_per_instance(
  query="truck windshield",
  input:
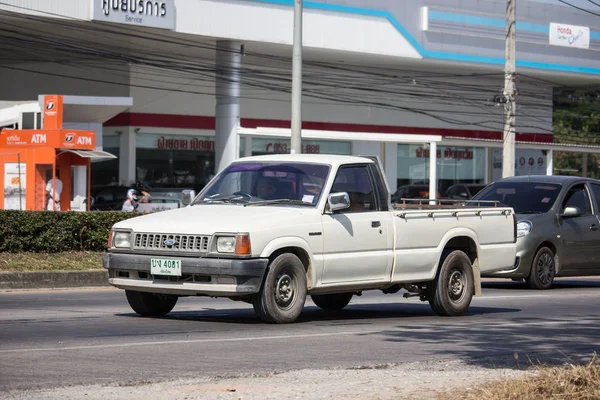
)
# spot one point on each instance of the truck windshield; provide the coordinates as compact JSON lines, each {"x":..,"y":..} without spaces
{"x":523,"y":197}
{"x":267,"y":183}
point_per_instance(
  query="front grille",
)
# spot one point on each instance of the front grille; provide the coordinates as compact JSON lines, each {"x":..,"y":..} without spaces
{"x":183,"y":243}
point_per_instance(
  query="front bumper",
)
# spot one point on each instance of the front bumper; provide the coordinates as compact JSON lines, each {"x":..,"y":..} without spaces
{"x":200,"y":276}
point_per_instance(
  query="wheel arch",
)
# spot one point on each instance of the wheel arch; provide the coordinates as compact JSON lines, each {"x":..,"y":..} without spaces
{"x":293,"y":245}
{"x":466,"y":242}
{"x":554,"y":248}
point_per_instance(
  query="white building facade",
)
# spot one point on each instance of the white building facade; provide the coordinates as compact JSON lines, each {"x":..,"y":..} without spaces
{"x":210,"y":81}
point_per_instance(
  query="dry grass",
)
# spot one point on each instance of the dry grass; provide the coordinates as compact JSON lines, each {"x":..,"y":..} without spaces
{"x":70,"y":261}
{"x":569,"y":382}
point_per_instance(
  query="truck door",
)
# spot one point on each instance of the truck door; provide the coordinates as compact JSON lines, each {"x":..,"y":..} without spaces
{"x":358,"y":241}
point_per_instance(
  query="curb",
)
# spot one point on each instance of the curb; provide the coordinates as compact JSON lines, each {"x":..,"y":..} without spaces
{"x":52,"y":280}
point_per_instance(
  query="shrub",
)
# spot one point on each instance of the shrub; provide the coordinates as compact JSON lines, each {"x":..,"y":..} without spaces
{"x":52,"y":232}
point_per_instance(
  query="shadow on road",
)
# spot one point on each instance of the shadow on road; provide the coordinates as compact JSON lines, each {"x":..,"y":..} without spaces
{"x":559,"y":284}
{"x":354,"y":314}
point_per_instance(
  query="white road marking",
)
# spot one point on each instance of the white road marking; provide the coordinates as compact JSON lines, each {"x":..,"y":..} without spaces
{"x":480,"y":324}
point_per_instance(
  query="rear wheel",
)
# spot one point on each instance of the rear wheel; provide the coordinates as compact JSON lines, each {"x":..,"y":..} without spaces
{"x":451,"y":292}
{"x":335,"y":301}
{"x":543,"y":269}
{"x":150,"y":304}
{"x":283,"y":294}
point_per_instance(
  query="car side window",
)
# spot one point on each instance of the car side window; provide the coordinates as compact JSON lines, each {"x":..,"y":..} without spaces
{"x":356,"y":182}
{"x":578,"y":197}
{"x":106,"y":194}
{"x":596,"y":191}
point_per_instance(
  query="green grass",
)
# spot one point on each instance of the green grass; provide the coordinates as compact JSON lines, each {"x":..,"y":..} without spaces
{"x":68,"y":261}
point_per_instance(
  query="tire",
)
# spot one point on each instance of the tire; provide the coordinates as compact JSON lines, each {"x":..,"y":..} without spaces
{"x":335,"y":301}
{"x":543,"y":269}
{"x":450,"y":293}
{"x":150,"y":304}
{"x":283,"y":293}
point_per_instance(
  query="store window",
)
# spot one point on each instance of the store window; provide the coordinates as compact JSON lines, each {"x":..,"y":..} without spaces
{"x":282,"y":146}
{"x":454,"y":165}
{"x":106,"y":172}
{"x":527,"y":162}
{"x":186,"y":162}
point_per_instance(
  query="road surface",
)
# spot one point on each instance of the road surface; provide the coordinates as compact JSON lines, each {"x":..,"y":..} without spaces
{"x":78,"y":337}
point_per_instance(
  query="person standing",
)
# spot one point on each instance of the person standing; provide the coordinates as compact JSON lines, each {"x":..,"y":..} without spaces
{"x":53,"y":192}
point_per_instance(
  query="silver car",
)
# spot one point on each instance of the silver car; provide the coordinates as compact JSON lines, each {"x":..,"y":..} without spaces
{"x":558,"y":226}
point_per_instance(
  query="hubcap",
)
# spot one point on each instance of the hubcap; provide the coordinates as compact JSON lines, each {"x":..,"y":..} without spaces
{"x":456,"y":285}
{"x":545,"y":268}
{"x":285,"y":288}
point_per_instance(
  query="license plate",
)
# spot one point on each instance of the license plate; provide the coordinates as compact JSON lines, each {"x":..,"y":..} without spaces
{"x":162,"y":266}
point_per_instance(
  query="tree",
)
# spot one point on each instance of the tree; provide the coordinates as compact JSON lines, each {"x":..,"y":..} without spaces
{"x":576,"y":120}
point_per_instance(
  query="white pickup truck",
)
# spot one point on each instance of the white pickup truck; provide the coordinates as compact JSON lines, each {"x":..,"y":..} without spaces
{"x":270,"y":230}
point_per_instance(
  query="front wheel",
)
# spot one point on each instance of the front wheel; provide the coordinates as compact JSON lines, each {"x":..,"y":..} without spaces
{"x":543,"y":269}
{"x":332,"y":301}
{"x":282,"y":296}
{"x":451,"y":292}
{"x":150,"y":304}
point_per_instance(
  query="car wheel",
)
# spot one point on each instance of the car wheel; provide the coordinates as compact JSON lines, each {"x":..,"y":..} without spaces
{"x":150,"y":304}
{"x":543,"y":269}
{"x":283,"y":293}
{"x":450,"y":293}
{"x":335,"y":301}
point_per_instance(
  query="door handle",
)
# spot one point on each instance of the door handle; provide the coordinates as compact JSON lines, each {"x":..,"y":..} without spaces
{"x":594,"y":227}
{"x":375,"y":224}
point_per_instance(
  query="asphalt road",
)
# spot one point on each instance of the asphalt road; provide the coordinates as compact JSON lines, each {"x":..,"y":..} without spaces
{"x":69,"y":337}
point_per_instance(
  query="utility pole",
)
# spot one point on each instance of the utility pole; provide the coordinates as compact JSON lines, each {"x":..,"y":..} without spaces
{"x":296,"y":143}
{"x":510,"y":105}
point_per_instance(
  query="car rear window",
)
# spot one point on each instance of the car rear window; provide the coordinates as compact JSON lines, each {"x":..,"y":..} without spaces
{"x":523,"y":197}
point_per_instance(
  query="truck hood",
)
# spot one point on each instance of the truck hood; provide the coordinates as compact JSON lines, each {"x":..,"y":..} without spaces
{"x":208,"y":219}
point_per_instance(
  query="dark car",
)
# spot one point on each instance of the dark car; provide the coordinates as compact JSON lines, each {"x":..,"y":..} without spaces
{"x":411,"y":192}
{"x":109,"y":198}
{"x":558,"y":230}
{"x":464,"y":191}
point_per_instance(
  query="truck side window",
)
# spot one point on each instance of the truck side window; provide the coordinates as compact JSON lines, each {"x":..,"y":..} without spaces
{"x":355,"y":181}
{"x":578,"y":197}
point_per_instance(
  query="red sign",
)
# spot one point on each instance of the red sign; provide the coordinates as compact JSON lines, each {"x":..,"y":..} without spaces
{"x":284,"y":148}
{"x":56,"y":138}
{"x":465,"y":154}
{"x":164,"y":143}
{"x":53,"y":112}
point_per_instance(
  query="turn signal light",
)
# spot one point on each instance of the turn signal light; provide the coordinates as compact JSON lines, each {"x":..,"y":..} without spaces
{"x":242,"y":245}
{"x":110,"y":238}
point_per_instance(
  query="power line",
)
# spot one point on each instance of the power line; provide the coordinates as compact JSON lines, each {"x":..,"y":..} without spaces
{"x":579,"y":8}
{"x":594,"y":3}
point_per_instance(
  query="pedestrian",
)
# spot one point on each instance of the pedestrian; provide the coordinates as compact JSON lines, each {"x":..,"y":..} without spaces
{"x":53,"y":191}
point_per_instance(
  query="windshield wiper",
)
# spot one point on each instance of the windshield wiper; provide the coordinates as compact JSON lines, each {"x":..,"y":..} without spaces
{"x":226,"y":199}
{"x":278,"y":201}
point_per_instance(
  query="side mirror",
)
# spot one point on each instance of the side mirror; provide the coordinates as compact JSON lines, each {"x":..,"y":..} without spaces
{"x":339,"y":201}
{"x":571,"y":212}
{"x":187,"y":196}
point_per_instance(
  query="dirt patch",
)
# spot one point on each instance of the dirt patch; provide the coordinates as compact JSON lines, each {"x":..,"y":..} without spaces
{"x":419,"y":380}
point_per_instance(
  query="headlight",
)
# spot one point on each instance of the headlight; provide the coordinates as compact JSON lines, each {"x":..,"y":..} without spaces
{"x":523,"y":228}
{"x":238,"y":245}
{"x":121,"y":240}
{"x":226,"y":244}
